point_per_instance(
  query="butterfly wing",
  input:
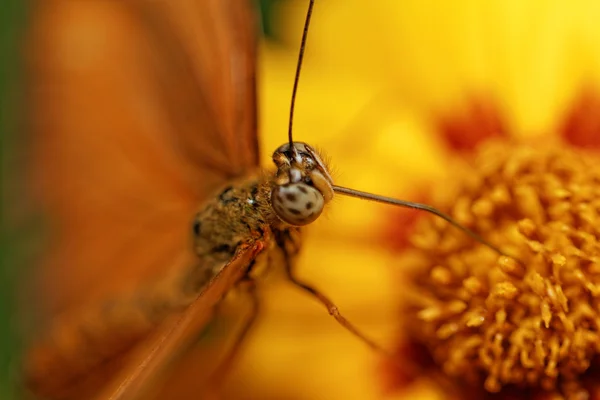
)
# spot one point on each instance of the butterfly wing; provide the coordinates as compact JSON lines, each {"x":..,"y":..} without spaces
{"x":139,"y":110}
{"x":148,"y":361}
{"x":211,"y":44}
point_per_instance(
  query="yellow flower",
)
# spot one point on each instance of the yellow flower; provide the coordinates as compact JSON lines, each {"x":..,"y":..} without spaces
{"x":382,"y":84}
{"x":501,"y":323}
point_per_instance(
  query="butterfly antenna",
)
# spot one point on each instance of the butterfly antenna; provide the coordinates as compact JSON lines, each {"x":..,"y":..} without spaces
{"x":423,"y":207}
{"x":298,"y":69}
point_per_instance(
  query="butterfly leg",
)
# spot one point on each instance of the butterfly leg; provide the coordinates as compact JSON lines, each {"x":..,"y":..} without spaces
{"x":220,"y":373}
{"x":288,"y":244}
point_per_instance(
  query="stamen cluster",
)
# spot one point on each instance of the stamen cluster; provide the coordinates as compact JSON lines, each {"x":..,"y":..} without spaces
{"x":530,"y":321}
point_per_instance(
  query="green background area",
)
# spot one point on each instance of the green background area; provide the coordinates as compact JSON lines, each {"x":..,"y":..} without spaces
{"x":11,"y":25}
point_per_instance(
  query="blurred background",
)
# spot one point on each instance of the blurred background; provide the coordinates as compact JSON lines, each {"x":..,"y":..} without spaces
{"x":394,"y":92}
{"x":12,"y":23}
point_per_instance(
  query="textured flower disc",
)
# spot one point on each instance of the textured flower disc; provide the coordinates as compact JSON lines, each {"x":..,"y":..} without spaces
{"x":497,"y":322}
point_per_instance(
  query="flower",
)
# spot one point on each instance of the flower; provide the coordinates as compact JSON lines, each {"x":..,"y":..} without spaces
{"x":530,"y":321}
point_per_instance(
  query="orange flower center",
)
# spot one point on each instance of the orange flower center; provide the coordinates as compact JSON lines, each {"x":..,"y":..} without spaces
{"x":496,"y":321}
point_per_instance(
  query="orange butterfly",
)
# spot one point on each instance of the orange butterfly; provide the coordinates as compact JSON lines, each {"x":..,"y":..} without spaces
{"x":144,"y":116}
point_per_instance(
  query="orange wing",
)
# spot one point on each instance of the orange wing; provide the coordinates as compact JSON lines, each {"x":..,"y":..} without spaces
{"x":139,"y":110}
{"x":148,"y":361}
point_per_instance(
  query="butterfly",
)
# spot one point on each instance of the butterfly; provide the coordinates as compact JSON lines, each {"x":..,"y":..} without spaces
{"x":145,"y":165}
{"x":142,"y":110}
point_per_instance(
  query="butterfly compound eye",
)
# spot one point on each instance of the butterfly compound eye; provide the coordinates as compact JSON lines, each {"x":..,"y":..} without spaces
{"x":303,"y":184}
{"x":297,"y":203}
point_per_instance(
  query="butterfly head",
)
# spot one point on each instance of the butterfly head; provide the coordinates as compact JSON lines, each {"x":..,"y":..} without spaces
{"x":302,"y":186}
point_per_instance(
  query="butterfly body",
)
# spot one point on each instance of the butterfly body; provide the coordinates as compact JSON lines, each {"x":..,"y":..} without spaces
{"x":249,"y":210}
{"x":239,"y":213}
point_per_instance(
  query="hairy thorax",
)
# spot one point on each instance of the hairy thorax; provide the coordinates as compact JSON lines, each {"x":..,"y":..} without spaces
{"x":239,"y":213}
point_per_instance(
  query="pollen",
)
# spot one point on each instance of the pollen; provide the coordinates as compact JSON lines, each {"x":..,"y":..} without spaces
{"x":529,"y":320}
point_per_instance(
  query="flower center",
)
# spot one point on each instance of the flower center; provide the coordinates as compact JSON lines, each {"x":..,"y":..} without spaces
{"x":497,"y":321}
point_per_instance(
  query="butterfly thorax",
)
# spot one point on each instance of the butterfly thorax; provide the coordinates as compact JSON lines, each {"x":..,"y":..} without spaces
{"x":240,"y":213}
